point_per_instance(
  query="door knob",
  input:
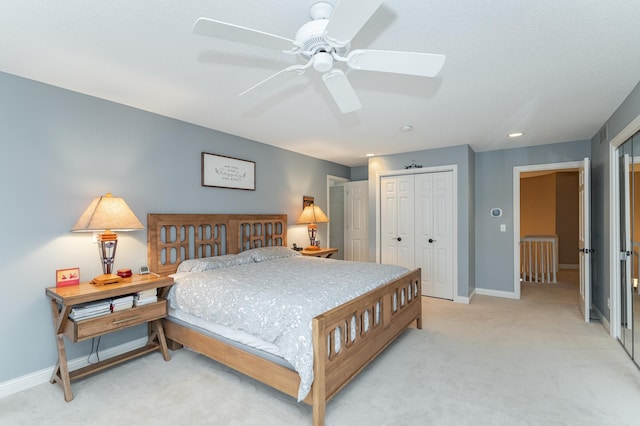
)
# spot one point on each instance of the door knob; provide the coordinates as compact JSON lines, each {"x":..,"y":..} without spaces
{"x":399,"y":239}
{"x":431,"y":240}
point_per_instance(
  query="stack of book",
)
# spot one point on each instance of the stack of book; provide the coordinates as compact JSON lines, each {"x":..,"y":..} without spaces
{"x":120,"y":303}
{"x":90,"y":310}
{"x":145,"y":297}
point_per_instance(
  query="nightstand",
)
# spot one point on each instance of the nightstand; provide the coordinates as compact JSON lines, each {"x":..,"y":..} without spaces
{"x":323,"y":252}
{"x":63,"y":299}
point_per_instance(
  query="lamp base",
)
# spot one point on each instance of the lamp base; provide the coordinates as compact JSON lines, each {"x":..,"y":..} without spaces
{"x":312,"y":248}
{"x":105,"y":279}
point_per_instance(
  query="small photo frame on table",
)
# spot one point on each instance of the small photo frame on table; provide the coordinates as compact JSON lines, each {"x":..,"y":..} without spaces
{"x":227,"y":172}
{"x":67,"y":277}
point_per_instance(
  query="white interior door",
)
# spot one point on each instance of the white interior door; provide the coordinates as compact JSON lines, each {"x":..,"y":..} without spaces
{"x":397,"y":215}
{"x":585,"y":241}
{"x":356,"y":228}
{"x":434,"y":233}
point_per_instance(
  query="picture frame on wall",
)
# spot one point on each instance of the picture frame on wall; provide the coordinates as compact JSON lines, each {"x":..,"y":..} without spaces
{"x":306,"y":201}
{"x":219,"y":171}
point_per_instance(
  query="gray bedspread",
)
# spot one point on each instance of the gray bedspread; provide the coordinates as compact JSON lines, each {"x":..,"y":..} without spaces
{"x":276,"y":299}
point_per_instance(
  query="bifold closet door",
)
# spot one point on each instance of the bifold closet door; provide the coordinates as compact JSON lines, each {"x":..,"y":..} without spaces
{"x":434,"y":233}
{"x":417,"y":227}
{"x":397,"y":220}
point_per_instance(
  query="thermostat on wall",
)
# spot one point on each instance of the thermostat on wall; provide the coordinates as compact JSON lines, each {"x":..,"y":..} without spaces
{"x":496,"y":212}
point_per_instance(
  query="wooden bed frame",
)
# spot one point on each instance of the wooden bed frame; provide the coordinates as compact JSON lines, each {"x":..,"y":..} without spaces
{"x":389,"y":309}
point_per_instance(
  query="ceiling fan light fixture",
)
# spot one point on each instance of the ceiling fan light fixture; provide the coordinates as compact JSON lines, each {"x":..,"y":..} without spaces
{"x":322,"y":61}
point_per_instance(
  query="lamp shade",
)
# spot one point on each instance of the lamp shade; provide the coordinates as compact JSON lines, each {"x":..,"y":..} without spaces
{"x":312,"y":214}
{"x":107,"y":213}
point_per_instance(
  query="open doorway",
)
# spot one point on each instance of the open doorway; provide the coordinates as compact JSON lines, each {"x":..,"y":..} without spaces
{"x":546,"y":211}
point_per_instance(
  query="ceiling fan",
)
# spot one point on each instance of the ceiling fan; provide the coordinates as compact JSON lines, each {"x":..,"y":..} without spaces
{"x":325,"y":41}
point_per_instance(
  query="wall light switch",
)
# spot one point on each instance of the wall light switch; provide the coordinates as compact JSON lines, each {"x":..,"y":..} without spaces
{"x":503,"y":227}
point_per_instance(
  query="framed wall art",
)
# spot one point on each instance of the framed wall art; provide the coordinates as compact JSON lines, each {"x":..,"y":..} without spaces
{"x":306,"y":201}
{"x":227,"y":172}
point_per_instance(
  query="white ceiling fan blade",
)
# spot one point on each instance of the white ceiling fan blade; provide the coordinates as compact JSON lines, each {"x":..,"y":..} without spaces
{"x":341,"y":90}
{"x":412,"y":63}
{"x":348,"y":17}
{"x":217,"y":29}
{"x":298,"y":68}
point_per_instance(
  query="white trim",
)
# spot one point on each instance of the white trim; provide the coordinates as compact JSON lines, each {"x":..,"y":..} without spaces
{"x":614,"y":241}
{"x":436,"y":169}
{"x":462,"y":300}
{"x":517,"y":170}
{"x":496,"y":293}
{"x":603,"y":319}
{"x":614,"y":225}
{"x":43,"y":376}
{"x":626,"y":133}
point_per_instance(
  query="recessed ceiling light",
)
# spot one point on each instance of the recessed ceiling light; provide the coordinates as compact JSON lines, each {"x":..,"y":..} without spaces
{"x":369,"y":155}
{"x":406,"y":128}
{"x":515,"y":134}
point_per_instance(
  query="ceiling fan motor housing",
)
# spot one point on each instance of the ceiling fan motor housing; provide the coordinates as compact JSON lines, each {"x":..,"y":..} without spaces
{"x":311,"y":37}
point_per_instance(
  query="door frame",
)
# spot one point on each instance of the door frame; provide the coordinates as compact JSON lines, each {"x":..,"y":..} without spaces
{"x":614,"y":225}
{"x":332,"y":180}
{"x":414,"y":171}
{"x":517,"y":171}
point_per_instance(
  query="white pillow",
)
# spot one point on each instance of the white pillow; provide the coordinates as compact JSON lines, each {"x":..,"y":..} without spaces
{"x":268,"y":253}
{"x":210,"y":263}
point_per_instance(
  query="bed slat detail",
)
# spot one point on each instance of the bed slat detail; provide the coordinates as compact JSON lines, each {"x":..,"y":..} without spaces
{"x":340,"y":365}
{"x":173,"y":238}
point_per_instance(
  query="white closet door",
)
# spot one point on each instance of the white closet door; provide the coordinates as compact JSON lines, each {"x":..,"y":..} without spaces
{"x":397,"y":220}
{"x":441,"y":280}
{"x":356,"y":228}
{"x":417,"y":228}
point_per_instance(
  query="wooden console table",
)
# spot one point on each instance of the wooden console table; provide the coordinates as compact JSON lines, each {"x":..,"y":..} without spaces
{"x":63,"y":299}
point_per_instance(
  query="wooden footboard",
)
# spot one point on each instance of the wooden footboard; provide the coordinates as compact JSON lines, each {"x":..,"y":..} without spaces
{"x":347,"y":338}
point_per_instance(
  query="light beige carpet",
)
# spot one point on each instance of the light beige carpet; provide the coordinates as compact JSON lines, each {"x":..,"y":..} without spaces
{"x":493,"y":362}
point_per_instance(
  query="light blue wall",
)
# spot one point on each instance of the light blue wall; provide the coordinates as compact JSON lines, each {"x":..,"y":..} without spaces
{"x":485,"y":180}
{"x":494,"y":188}
{"x":61,"y":149}
{"x":359,"y":173}
{"x":463,"y":157}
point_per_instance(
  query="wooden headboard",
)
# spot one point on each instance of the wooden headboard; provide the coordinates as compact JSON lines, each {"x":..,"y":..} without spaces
{"x":172,"y":238}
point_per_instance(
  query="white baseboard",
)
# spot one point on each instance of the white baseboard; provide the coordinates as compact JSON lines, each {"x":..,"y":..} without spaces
{"x":43,"y":376}
{"x":603,"y":320}
{"x":464,"y":300}
{"x":495,"y":293}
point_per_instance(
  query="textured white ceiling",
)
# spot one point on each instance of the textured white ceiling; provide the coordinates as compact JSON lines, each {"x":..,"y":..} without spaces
{"x":554,"y":69}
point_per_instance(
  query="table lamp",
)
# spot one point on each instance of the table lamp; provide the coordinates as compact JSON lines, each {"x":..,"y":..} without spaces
{"x":106,"y":214}
{"x":311,"y":215}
